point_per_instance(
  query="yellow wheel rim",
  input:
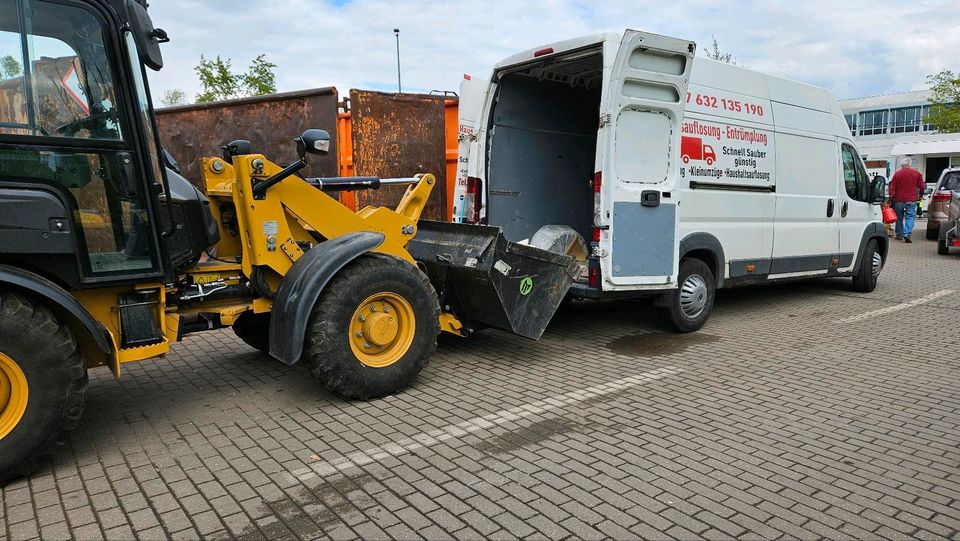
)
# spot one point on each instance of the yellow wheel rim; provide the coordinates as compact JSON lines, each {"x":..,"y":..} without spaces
{"x":382,"y":329}
{"x":13,"y":394}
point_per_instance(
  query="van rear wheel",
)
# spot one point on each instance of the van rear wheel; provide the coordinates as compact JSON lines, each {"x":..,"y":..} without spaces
{"x":691,"y":303}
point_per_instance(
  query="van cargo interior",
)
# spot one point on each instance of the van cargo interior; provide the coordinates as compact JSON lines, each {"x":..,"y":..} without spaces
{"x":542,"y":144}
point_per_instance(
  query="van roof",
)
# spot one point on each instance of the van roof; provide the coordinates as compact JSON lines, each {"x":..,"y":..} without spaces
{"x":709,"y":73}
{"x":558,"y":47}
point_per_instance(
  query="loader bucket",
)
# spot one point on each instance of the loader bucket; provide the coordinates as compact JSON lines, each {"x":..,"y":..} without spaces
{"x":488,"y":281}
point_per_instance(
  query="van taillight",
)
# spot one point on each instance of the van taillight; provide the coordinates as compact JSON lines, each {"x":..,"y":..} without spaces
{"x":596,"y":234}
{"x":942,"y":196}
{"x":596,"y":180}
{"x":594,"y":276}
{"x":541,"y":52}
{"x":473,"y":200}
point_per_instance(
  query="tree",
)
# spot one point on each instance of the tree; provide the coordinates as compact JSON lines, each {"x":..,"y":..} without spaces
{"x":174,"y":96}
{"x":716,"y":54}
{"x":944,"y":100}
{"x":9,"y":67}
{"x":220,"y":83}
{"x":260,"y":78}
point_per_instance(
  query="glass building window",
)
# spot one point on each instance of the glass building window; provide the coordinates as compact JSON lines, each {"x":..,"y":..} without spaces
{"x":923,"y":113}
{"x":873,"y":122}
{"x":906,"y":120}
{"x":851,"y":123}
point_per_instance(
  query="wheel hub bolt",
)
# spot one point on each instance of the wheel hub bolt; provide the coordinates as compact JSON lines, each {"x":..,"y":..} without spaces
{"x":363,"y":318}
{"x":359,"y":334}
{"x":386,"y":309}
{"x":366,"y":345}
{"x":373,"y":307}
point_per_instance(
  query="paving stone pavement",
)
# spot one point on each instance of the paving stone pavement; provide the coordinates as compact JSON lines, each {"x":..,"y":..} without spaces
{"x":783,"y":417}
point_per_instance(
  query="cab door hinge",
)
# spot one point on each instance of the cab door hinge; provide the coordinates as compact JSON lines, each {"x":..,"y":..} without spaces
{"x":605,"y":119}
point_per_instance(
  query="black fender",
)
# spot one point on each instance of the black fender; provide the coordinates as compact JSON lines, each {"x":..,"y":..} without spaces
{"x":709,"y":243}
{"x":60,"y":301}
{"x":301,"y":287}
{"x":874,"y":230}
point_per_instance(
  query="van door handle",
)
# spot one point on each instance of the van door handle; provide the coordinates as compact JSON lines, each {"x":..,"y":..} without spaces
{"x":843,"y":210}
{"x":829,"y":208}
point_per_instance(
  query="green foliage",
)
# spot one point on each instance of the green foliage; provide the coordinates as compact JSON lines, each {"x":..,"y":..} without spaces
{"x":9,"y":67}
{"x":717,"y":54}
{"x":944,"y":113}
{"x":218,"y":81}
{"x":260,"y":78}
{"x":174,"y":96}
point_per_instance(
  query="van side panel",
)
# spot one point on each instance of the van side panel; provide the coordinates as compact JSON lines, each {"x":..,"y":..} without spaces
{"x":805,"y":221}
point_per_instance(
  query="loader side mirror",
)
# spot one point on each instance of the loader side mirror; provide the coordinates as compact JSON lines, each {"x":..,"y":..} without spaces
{"x":313,"y":141}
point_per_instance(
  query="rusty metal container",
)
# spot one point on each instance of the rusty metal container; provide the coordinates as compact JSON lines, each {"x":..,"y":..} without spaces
{"x":399,"y":135}
{"x":269,"y":122}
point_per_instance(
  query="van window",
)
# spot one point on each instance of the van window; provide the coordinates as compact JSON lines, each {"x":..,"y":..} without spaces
{"x":855,"y":178}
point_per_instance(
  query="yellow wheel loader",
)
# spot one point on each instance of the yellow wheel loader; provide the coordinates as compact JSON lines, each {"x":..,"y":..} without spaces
{"x":108,"y":255}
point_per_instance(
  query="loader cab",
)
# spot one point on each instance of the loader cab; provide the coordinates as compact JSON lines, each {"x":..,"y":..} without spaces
{"x":82,"y":188}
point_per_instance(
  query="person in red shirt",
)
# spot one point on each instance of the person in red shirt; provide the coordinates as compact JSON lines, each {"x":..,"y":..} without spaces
{"x":906,"y":187}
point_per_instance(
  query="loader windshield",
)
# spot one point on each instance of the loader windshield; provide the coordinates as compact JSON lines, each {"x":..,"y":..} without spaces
{"x":54,"y":73}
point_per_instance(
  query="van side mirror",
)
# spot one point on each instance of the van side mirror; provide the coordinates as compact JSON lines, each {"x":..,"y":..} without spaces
{"x":877,"y":185}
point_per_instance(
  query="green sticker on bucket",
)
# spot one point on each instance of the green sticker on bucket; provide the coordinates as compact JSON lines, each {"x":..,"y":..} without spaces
{"x":526,"y":286}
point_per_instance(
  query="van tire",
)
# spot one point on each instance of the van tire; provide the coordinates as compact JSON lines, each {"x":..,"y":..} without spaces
{"x":943,"y":248}
{"x":865,"y":280}
{"x":328,"y":350}
{"x":697,"y":285}
{"x":55,"y":376}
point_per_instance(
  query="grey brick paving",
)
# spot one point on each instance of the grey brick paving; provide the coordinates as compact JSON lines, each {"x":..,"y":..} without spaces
{"x":777,"y":421}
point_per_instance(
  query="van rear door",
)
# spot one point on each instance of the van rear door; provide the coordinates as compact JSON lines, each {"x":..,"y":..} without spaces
{"x":642,"y":114}
{"x":473,"y":90}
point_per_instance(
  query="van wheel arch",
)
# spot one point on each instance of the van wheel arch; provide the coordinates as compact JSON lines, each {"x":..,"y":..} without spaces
{"x":706,"y":248}
{"x":874,"y":231}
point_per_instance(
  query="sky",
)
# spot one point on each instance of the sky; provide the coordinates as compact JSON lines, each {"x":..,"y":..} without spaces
{"x":854,"y":48}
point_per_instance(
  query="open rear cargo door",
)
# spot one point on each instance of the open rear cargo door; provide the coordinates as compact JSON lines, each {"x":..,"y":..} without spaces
{"x":399,"y":135}
{"x":642,"y":117}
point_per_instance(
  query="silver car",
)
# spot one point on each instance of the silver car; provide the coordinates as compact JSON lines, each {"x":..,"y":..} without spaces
{"x":939,"y":206}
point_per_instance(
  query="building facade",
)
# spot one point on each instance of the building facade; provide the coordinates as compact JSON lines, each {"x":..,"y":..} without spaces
{"x":887,"y":128}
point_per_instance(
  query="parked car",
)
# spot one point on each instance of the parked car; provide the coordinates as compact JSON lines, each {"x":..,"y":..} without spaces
{"x":937,"y":210}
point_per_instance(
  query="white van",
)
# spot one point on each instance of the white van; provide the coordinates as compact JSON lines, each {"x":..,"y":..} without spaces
{"x":681,"y":173}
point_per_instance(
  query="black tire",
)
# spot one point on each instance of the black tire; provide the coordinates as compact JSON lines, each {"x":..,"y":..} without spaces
{"x":942,"y":247}
{"x":693,"y":272}
{"x":254,"y":330}
{"x":46,"y":352}
{"x":931,"y":233}
{"x":328,"y":346}
{"x":865,"y":280}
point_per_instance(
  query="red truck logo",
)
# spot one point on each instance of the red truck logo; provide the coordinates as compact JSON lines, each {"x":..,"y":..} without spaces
{"x":692,"y":148}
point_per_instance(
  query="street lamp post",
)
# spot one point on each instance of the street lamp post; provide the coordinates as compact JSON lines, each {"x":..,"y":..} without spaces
{"x":396,"y":32}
